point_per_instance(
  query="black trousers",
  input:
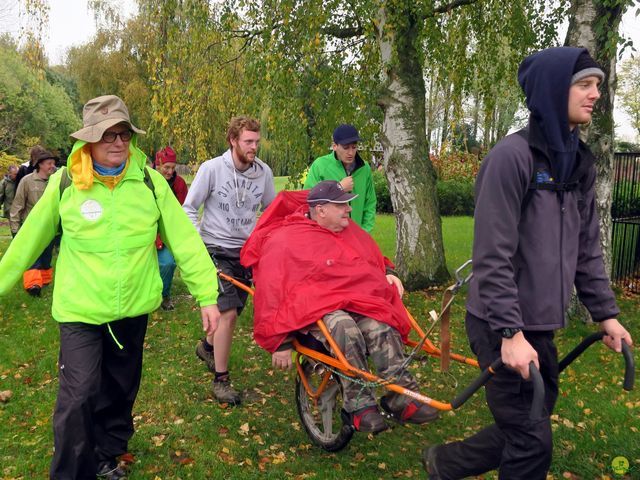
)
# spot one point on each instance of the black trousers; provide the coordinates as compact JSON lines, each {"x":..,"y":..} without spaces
{"x":92,"y":421}
{"x":514,"y":445}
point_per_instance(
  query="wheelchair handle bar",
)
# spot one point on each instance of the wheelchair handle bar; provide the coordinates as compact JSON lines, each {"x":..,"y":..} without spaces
{"x":536,"y":378}
{"x":537,"y":403}
{"x":629,"y":364}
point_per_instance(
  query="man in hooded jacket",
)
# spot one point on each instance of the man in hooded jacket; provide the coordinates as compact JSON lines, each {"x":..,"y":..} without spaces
{"x":536,"y":236}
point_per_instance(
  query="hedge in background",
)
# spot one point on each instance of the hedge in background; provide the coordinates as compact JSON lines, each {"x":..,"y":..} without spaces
{"x":626,"y":201}
{"x":455,"y":197}
{"x":456,"y":165}
{"x":383,"y":198}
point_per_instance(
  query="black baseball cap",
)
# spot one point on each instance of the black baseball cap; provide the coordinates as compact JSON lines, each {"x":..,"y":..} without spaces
{"x":345,"y":134}
{"x":328,"y":191}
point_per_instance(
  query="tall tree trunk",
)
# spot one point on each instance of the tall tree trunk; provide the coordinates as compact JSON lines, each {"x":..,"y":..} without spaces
{"x":430,"y":107}
{"x":412,"y":180}
{"x":587,"y":29}
{"x":446,"y":105}
{"x":476,"y":115}
{"x":583,"y":31}
{"x":486,"y":127}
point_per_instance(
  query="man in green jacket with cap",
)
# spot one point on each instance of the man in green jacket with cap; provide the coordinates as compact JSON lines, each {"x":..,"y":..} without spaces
{"x":345,"y":165}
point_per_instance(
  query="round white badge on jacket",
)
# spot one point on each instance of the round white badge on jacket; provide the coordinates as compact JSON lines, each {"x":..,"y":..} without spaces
{"x":91,"y":210}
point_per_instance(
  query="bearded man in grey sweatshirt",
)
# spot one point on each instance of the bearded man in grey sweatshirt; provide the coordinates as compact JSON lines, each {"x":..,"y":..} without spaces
{"x":233,"y":188}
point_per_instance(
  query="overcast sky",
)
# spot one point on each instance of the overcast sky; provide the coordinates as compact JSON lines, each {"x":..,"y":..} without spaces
{"x":71,"y":23}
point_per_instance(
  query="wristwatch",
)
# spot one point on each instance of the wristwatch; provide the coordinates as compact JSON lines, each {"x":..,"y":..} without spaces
{"x":509,"y":332}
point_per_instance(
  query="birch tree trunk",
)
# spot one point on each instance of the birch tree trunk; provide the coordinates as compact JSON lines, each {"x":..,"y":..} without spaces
{"x":411,"y":176}
{"x":583,"y":32}
{"x":590,"y":25}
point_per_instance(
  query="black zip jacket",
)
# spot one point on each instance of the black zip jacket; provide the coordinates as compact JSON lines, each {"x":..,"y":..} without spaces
{"x":527,"y":258}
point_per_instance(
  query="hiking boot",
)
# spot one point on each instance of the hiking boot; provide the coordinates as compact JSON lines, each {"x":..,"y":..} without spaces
{"x":367,"y":419}
{"x":428,"y":459}
{"x":34,"y":291}
{"x":110,"y":470}
{"x":167,"y":304}
{"x":225,"y":393}
{"x":206,"y":356}
{"x":414,"y":412}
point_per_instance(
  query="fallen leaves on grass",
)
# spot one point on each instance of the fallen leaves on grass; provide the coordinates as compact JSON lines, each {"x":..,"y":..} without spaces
{"x":570,"y":476}
{"x":127,"y":458}
{"x":158,"y":440}
{"x":181,"y":458}
{"x":225,"y":456}
{"x":5,"y":395}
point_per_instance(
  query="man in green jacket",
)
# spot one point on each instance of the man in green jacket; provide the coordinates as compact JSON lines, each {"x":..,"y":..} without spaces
{"x":107,"y":281}
{"x":346,"y":166}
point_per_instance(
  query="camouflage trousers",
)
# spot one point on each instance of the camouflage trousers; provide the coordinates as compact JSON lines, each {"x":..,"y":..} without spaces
{"x":357,"y":335}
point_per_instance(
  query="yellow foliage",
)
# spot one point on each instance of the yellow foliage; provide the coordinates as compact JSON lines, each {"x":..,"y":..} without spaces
{"x":6,"y":160}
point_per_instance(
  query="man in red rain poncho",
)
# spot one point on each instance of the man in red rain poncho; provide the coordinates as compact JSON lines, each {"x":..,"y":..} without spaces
{"x":317,"y":263}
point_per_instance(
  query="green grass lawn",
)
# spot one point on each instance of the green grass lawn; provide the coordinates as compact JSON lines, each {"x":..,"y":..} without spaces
{"x":280,"y":183}
{"x":183,"y":433}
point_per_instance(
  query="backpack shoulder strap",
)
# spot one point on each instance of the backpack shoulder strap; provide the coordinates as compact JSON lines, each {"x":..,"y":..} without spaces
{"x":529,"y":193}
{"x":541,"y":177}
{"x":65,"y":181}
{"x":149,"y":182}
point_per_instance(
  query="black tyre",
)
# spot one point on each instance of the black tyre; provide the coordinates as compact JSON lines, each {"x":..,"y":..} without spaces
{"x":322,"y":421}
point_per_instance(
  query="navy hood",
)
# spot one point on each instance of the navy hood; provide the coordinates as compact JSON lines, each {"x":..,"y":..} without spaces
{"x":545,"y":78}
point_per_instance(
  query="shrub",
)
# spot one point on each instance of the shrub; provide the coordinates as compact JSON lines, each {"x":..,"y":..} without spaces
{"x":626,"y":199}
{"x":455,"y":197}
{"x":456,"y":165}
{"x":6,"y":160}
{"x":383,"y":198}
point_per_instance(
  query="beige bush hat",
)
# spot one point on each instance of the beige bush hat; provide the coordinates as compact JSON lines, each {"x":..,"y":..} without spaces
{"x":101,"y":113}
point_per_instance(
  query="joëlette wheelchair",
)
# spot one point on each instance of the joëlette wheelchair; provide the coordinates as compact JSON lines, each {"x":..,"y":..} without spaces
{"x":319,"y":393}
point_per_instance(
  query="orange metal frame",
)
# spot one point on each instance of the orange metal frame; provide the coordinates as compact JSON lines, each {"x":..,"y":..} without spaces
{"x":341,"y":364}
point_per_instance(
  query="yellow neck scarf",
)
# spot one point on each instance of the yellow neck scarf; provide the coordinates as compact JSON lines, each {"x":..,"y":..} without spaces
{"x":82,"y":171}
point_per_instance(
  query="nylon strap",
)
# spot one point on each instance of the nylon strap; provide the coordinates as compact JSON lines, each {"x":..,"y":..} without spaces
{"x":445,"y":333}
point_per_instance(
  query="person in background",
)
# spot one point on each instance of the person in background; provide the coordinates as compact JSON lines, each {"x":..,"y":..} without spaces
{"x":28,"y":193}
{"x":345,"y":165}
{"x":232,"y":188}
{"x":166,"y":164}
{"x":8,"y":190}
{"x":109,"y":207}
{"x":29,"y":167}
